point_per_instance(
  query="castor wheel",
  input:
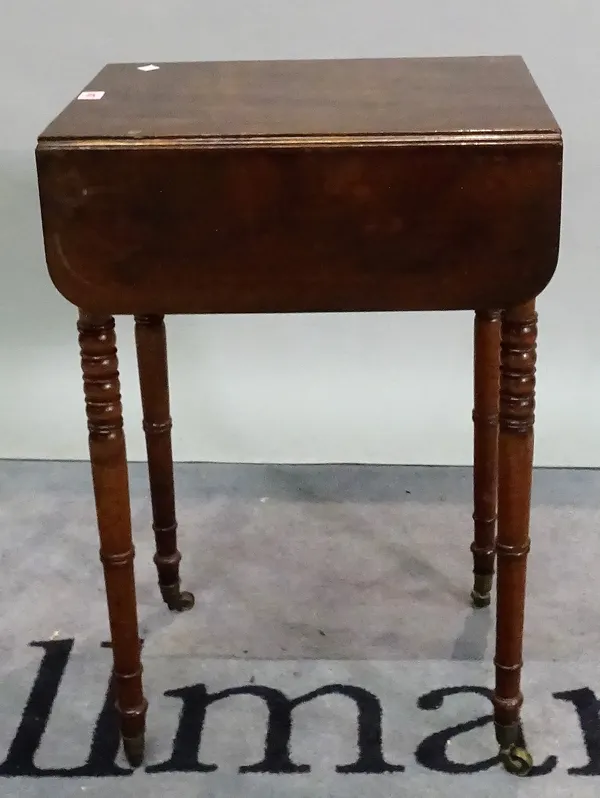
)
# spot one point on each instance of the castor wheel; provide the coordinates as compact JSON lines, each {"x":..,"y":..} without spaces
{"x":133,"y":748}
{"x":481,"y":595}
{"x":177,"y":600}
{"x":513,"y":749}
{"x":479,"y":600}
{"x":184,"y":601}
{"x":516,"y":760}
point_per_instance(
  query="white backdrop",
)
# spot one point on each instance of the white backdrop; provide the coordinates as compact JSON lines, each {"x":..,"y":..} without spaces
{"x":361,"y":388}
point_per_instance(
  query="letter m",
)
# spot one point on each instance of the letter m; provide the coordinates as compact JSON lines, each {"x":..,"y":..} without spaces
{"x":277,"y":759}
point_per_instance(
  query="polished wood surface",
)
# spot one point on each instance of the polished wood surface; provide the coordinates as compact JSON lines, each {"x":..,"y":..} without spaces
{"x":486,"y":376}
{"x":353,"y":97}
{"x":111,"y":489}
{"x":517,"y":404}
{"x":393,"y":184}
{"x":168,"y":230}
{"x":151,"y":346}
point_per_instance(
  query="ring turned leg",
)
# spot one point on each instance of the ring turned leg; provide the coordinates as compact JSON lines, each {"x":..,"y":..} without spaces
{"x":517,"y":402}
{"x":151,"y":347}
{"x":485,"y":451}
{"x":111,"y":489}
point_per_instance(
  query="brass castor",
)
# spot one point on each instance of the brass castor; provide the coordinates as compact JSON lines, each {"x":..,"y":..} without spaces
{"x":513,"y":749}
{"x":176,"y":599}
{"x":134,"y":749}
{"x":516,"y":759}
{"x":481,"y":594}
{"x":480,"y":600}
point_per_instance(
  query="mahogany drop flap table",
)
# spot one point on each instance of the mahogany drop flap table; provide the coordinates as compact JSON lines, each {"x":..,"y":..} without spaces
{"x":303,"y":186}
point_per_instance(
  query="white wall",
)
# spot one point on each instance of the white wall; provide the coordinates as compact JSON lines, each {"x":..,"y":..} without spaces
{"x":372,"y":388}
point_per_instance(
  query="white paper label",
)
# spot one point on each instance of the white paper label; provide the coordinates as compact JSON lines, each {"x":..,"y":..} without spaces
{"x":148,"y":68}
{"x":91,"y":95}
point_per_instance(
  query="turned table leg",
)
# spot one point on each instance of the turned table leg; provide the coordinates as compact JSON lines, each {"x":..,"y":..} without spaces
{"x":517,"y":402}
{"x":486,"y":368}
{"x":111,"y":488}
{"x":151,"y":347}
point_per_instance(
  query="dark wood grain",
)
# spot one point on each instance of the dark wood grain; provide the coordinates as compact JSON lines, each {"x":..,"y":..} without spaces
{"x":168,"y":230}
{"x":385,"y":184}
{"x":485,"y":450}
{"x":517,"y":404}
{"x":151,"y":346}
{"x":397,"y":96}
{"x":111,"y":489}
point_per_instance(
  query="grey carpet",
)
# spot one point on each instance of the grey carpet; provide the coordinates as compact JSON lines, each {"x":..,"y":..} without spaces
{"x":305,"y":577}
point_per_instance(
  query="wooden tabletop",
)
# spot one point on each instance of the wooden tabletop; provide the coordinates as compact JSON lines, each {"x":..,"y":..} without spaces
{"x":330,"y":98}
